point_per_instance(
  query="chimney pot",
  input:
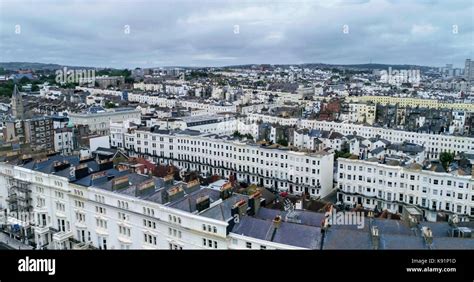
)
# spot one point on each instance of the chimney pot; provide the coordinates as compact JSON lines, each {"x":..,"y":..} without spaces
{"x":277,"y":221}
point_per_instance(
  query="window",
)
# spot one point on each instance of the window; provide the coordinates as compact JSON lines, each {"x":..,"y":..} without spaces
{"x":150,"y":239}
{"x":100,"y":210}
{"x":124,"y":231}
{"x":248,"y":245}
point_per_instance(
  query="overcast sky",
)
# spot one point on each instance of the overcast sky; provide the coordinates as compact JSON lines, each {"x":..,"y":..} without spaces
{"x":204,"y":33}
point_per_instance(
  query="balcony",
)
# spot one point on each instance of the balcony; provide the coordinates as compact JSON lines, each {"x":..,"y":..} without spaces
{"x":62,"y":236}
{"x":42,"y":229}
{"x":15,"y":221}
{"x":12,"y":198}
{"x":82,"y":246}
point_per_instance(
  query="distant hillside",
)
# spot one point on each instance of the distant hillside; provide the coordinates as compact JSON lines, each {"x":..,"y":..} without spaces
{"x":372,"y":66}
{"x":14,"y":66}
{"x":328,"y":66}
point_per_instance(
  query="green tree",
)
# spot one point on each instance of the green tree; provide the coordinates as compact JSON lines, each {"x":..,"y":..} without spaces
{"x":24,"y":80}
{"x":446,"y":158}
{"x":129,"y":80}
{"x":6,"y":89}
{"x":109,"y":105}
{"x":342,"y":154}
{"x":35,"y":87}
{"x":282,"y":142}
{"x":237,"y":134}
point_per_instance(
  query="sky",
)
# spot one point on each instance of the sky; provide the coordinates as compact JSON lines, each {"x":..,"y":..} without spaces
{"x":146,"y":33}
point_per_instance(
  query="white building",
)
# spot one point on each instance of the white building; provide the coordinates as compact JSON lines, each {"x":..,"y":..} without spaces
{"x":118,"y":130}
{"x":155,"y":87}
{"x":433,"y":143}
{"x":313,"y":139}
{"x":268,"y":166}
{"x":65,"y":208}
{"x":217,"y":124}
{"x":153,"y":99}
{"x":98,"y":91}
{"x":63,"y":140}
{"x":99,"y":121}
{"x":358,"y":113}
{"x":210,"y":108}
{"x":374,"y":184}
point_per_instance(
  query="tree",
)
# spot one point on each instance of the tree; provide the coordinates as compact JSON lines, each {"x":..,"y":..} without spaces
{"x":6,"y":88}
{"x":110,"y":105}
{"x":24,"y":80}
{"x":282,"y":142}
{"x":342,"y":154}
{"x":35,"y":87}
{"x":446,"y":158}
{"x":237,"y":134}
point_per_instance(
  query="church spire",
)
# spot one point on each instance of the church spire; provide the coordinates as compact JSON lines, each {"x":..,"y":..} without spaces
{"x":17,"y":104}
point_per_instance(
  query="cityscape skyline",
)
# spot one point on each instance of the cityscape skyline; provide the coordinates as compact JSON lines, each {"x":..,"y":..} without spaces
{"x":341,"y":127}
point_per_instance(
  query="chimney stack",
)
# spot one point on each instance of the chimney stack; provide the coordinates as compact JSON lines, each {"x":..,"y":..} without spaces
{"x":226,"y":190}
{"x":254,"y":202}
{"x":427,"y":235}
{"x":169,"y":179}
{"x":276,"y":225}
{"x":120,"y":183}
{"x":202,"y":203}
{"x":192,"y":186}
{"x":277,"y":221}
{"x":241,"y":207}
{"x":374,"y":234}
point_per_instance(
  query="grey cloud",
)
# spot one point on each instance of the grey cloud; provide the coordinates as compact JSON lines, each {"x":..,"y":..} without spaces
{"x":201,"y":33}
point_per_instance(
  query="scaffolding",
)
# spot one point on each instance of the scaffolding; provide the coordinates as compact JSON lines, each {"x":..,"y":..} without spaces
{"x":20,"y":209}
